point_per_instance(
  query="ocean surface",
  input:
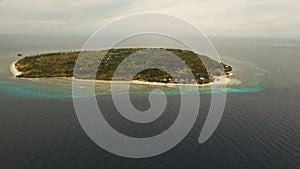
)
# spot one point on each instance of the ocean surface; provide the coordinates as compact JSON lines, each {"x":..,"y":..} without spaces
{"x":260,"y":127}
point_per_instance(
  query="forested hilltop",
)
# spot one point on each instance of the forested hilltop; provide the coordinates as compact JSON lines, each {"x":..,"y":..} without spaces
{"x":62,"y":64}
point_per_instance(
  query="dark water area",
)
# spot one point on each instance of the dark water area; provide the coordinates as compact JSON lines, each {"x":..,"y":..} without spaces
{"x":255,"y":132}
{"x":260,"y":126}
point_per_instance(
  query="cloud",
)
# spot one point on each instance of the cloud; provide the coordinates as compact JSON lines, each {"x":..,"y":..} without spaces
{"x":231,"y":17}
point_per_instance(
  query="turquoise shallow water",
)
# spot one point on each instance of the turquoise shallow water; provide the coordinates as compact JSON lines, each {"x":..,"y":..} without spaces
{"x":247,"y":80}
{"x":31,"y":91}
{"x":45,"y":91}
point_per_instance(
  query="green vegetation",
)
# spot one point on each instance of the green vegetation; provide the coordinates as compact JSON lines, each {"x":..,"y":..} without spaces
{"x":62,"y":64}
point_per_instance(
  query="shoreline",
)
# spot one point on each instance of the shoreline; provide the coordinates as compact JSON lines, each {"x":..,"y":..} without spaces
{"x":14,"y":70}
{"x":220,"y":80}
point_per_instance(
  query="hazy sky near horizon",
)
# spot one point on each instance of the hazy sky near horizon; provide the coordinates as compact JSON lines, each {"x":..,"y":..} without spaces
{"x":215,"y":17}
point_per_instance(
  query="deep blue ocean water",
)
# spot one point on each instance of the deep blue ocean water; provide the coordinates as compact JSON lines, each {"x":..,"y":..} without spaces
{"x":260,"y":126}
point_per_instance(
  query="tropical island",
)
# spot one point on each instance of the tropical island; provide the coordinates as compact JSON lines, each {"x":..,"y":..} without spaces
{"x":62,"y":64}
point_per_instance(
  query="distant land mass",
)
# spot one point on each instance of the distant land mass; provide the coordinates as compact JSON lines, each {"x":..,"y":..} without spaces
{"x":62,"y":64}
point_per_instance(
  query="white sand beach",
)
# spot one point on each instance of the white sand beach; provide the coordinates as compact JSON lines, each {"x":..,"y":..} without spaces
{"x":219,"y":80}
{"x":14,"y":70}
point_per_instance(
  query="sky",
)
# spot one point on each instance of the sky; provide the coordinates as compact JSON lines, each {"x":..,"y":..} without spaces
{"x":268,"y":18}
